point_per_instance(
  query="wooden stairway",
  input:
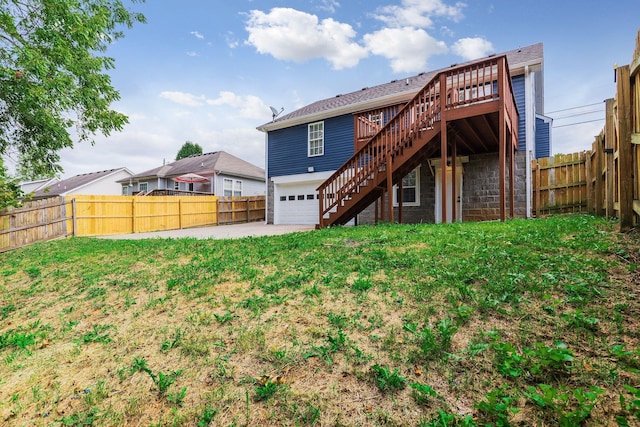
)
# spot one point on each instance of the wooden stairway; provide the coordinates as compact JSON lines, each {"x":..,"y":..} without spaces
{"x":413,"y":135}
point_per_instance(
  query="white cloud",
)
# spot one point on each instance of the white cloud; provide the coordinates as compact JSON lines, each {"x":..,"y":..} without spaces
{"x":291,"y":35}
{"x":197,"y":35}
{"x":408,"y":48}
{"x":246,"y":143}
{"x":248,"y":106}
{"x":231,"y":40}
{"x":192,"y":54}
{"x":473,"y":48}
{"x":329,"y":5}
{"x":183,"y":98}
{"x":418,"y":13}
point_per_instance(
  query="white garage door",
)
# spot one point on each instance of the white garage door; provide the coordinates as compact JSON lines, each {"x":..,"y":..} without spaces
{"x":296,"y":203}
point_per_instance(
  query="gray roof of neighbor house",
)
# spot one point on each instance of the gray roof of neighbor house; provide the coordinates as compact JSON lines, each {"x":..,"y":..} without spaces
{"x":74,"y":183}
{"x":205,"y":164}
{"x":394,"y":91}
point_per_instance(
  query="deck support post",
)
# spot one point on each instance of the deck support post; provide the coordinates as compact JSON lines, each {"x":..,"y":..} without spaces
{"x":512,"y":175}
{"x":400,"y":200}
{"x":389,"y":187}
{"x":502,"y":143}
{"x":454,"y":192}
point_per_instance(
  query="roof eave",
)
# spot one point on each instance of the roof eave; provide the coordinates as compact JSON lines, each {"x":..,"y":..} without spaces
{"x":347,"y":109}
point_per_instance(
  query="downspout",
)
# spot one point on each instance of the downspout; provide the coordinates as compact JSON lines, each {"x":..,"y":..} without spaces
{"x":530,"y":133}
{"x":266,"y":177}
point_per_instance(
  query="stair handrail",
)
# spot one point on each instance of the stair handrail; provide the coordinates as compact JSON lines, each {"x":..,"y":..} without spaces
{"x":464,"y":85}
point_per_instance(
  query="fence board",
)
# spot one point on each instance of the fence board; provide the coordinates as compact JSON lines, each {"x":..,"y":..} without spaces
{"x":33,"y":222}
{"x":560,"y":184}
{"x":105,"y":215}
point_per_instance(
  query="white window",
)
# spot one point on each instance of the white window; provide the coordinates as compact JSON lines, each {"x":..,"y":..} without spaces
{"x":237,"y":188}
{"x":316,"y":139}
{"x":227,"y":186}
{"x":410,"y":189}
{"x":376,"y":119}
{"x":232,"y":187}
{"x":176,"y":185}
{"x":143,"y":187}
{"x":125,"y":190}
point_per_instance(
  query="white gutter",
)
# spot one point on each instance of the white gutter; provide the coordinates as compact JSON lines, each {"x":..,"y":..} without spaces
{"x":530,"y":132}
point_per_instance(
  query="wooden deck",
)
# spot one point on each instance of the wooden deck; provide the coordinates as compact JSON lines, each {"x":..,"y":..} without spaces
{"x":463,"y":110}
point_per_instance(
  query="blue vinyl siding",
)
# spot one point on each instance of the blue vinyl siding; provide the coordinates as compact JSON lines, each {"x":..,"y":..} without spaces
{"x":518,"y":90}
{"x":543,"y":138}
{"x":287,"y":148}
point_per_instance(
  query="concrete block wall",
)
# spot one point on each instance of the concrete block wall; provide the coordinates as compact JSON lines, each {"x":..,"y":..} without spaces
{"x":481,"y":188}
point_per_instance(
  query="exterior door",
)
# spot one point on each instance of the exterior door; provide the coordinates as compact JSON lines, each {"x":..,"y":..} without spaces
{"x":438,"y":211}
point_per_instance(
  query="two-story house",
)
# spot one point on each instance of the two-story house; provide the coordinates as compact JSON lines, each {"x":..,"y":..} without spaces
{"x":405,"y":150}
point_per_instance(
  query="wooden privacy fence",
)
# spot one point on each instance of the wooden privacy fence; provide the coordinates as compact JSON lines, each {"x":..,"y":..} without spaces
{"x":560,"y":184}
{"x":606,"y":180}
{"x":105,"y":215}
{"x":37,"y":221}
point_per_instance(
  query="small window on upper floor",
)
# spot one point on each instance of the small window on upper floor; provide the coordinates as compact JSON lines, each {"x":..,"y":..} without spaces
{"x":316,"y":139}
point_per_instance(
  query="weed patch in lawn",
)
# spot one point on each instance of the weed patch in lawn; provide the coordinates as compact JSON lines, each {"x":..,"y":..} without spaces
{"x":512,"y":323}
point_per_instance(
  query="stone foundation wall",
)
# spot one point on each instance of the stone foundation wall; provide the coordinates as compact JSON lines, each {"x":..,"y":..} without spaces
{"x":480,"y":192}
{"x":270,"y":202}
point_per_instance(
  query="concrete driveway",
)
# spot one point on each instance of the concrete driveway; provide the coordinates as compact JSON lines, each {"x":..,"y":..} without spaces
{"x":219,"y":232}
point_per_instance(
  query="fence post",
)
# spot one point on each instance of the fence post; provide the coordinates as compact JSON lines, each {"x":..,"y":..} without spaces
{"x":537,"y":189}
{"x":248,"y":210}
{"x":180,"y":213}
{"x":589,"y":182}
{"x":625,"y":156}
{"x":217,"y":211}
{"x":609,"y":144}
{"x":74,"y":217}
{"x":133,"y":214}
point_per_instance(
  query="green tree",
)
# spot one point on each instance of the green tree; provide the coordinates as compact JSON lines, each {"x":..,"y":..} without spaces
{"x":188,"y":149}
{"x":9,"y":189}
{"x":53,"y":77}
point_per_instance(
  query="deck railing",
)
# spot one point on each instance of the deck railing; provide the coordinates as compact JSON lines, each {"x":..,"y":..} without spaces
{"x":482,"y":81}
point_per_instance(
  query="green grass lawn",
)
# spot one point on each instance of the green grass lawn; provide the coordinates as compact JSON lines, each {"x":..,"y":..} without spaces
{"x":528,"y":322}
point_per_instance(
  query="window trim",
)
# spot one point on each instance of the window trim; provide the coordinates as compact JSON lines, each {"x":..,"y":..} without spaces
{"x":232,"y":186}
{"x":416,"y":189}
{"x":146,"y":187}
{"x":316,"y":140}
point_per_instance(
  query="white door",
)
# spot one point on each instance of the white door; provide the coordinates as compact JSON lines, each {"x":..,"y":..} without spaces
{"x":438,"y":211}
{"x":296,"y":203}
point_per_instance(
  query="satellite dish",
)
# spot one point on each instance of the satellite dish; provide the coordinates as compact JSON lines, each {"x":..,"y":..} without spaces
{"x":275,"y":113}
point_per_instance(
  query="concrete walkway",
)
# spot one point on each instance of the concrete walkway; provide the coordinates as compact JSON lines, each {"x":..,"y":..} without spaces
{"x":219,"y":232}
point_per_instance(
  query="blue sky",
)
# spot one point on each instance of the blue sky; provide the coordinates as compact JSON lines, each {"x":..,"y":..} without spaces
{"x":207,"y":72}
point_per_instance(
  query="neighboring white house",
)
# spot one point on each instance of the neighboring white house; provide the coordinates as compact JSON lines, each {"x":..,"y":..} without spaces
{"x":95,"y":183}
{"x":218,"y":173}
{"x":33,"y":186}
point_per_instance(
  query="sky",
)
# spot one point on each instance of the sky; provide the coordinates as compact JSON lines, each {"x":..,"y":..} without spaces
{"x":207,"y":71}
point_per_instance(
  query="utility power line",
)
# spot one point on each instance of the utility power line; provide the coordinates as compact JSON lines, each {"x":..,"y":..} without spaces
{"x":583,"y":113}
{"x":577,"y":123}
{"x":573,"y":108}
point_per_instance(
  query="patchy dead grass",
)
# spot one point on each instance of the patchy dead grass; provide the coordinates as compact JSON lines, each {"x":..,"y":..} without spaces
{"x":285,"y":330}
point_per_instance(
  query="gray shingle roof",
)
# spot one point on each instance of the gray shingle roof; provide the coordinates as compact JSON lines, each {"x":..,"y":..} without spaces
{"x":205,"y":164}
{"x":355,"y":101}
{"x":70,"y":184}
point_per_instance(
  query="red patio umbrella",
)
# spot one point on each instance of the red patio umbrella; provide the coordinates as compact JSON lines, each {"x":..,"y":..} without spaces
{"x":190,"y":177}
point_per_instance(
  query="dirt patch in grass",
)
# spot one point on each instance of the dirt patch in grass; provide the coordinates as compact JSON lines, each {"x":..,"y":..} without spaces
{"x":387,"y":325}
